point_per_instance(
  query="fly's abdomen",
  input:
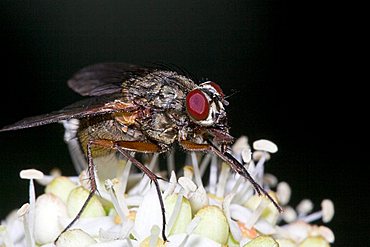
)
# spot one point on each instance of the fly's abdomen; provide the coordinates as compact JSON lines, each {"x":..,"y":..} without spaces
{"x":106,"y":129}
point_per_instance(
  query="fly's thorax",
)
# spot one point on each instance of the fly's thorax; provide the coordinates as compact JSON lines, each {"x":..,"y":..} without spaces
{"x":161,"y":128}
{"x":158,"y":90}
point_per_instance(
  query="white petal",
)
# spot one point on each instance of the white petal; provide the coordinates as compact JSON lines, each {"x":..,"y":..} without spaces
{"x":75,"y":238}
{"x":297,"y":231}
{"x":240,"y":213}
{"x":48,"y":245}
{"x":134,"y":201}
{"x":326,"y":233}
{"x":116,"y":232}
{"x":14,"y":226}
{"x":234,"y":228}
{"x":148,"y":214}
{"x":114,"y":243}
{"x":92,"y":225}
{"x":193,"y":240}
{"x":264,"y":227}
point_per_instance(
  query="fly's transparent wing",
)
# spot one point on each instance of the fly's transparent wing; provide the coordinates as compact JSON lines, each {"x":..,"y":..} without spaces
{"x":105,"y":78}
{"x":87,"y":107}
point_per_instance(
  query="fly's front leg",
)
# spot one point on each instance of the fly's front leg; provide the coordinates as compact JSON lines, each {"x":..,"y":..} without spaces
{"x":234,"y":164}
{"x":92,"y":179}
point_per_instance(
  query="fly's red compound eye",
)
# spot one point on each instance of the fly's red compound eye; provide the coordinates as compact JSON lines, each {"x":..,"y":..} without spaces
{"x":197,"y":105}
{"x":217,"y":88}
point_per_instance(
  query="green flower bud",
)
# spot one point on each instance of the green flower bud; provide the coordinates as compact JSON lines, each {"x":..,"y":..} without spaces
{"x":285,"y":243}
{"x":184,"y":215}
{"x":48,"y":209}
{"x":77,"y":198}
{"x":231,"y":242}
{"x":314,"y":242}
{"x":262,"y":241}
{"x":269,"y":213}
{"x":75,"y":238}
{"x":60,"y":187}
{"x":213,"y":224}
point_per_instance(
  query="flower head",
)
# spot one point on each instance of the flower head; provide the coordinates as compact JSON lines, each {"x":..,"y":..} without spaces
{"x":205,"y":205}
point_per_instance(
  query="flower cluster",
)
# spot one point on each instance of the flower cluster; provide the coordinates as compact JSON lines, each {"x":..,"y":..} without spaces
{"x":205,"y":205}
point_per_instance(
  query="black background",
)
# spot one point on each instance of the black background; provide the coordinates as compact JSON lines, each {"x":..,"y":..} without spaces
{"x":286,"y":61}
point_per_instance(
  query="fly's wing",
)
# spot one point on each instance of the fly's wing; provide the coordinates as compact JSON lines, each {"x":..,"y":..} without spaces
{"x":87,"y":107}
{"x":102,"y":81}
{"x":105,"y":78}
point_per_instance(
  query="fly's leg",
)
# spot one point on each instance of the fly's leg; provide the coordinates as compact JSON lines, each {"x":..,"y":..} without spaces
{"x":124,"y":149}
{"x":93,"y":187}
{"x":234,"y":164}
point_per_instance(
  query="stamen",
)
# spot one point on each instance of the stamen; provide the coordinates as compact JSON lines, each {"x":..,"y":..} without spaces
{"x":23,"y":213}
{"x":123,"y":212}
{"x":154,"y":236}
{"x":213,"y":175}
{"x":224,"y":174}
{"x":190,"y":229}
{"x":326,"y":212}
{"x":205,"y":162}
{"x":283,"y":193}
{"x":171,"y":161}
{"x":175,"y":213}
{"x":262,"y":205}
{"x":31,"y":174}
{"x":171,"y":185}
{"x":304,"y":207}
{"x":265,"y":145}
{"x":197,"y":176}
{"x":125,"y":175}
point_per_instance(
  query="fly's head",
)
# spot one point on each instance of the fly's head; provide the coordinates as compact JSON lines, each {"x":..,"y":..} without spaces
{"x":205,"y":107}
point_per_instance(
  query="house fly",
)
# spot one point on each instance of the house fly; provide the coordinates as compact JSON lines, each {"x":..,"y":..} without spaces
{"x":130,"y":108}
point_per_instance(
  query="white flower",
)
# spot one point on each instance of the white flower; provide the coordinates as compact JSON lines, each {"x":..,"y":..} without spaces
{"x":222,"y":211}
